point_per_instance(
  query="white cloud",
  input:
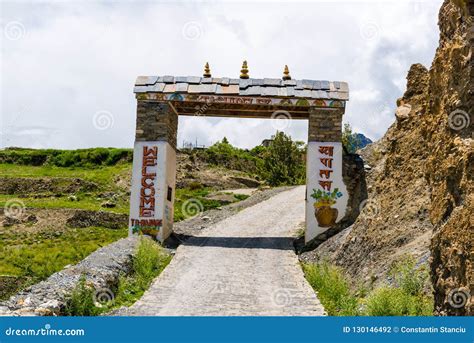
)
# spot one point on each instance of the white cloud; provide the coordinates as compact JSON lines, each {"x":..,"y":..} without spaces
{"x":79,"y":58}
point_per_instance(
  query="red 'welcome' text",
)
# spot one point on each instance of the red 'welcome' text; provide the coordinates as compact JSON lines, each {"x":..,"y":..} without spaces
{"x":147,"y":190}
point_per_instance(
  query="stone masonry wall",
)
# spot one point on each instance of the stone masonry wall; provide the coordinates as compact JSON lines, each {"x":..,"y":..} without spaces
{"x":156,"y":121}
{"x":324,"y":125}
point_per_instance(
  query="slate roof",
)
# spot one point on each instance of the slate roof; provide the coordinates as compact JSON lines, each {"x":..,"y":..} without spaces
{"x":309,"y":89}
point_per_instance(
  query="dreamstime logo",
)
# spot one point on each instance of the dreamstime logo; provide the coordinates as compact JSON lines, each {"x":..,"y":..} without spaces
{"x":282,"y":297}
{"x":281,"y":120}
{"x":370,"y":208}
{"x":14,"y":30}
{"x":458,"y":297}
{"x":192,"y":208}
{"x":103,"y":296}
{"x":103,"y":120}
{"x":192,"y":30}
{"x":458,"y":120}
{"x":14,"y":208}
{"x":369,"y":31}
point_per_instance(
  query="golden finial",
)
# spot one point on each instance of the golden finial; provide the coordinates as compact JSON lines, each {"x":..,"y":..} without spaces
{"x":244,"y":72}
{"x":286,"y":74}
{"x":207,"y":70}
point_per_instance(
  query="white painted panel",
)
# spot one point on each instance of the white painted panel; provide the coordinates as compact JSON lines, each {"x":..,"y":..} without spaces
{"x":323,"y":176}
{"x":145,"y":216}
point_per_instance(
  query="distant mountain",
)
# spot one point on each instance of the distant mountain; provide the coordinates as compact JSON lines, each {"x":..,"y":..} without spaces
{"x":361,"y":140}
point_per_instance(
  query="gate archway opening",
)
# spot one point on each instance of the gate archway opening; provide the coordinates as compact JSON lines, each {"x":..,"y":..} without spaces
{"x":161,"y":99}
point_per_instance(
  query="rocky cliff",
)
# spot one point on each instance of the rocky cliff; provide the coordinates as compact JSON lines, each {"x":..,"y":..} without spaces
{"x":450,"y":166}
{"x":420,"y":176}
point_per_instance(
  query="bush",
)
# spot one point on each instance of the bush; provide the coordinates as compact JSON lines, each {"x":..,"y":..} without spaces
{"x":407,"y":276}
{"x":392,"y":301}
{"x":225,"y":155}
{"x":283,"y":161}
{"x":408,"y":294}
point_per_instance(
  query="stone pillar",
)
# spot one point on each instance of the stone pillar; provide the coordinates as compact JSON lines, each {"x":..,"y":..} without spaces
{"x":326,"y":194}
{"x":154,"y":170}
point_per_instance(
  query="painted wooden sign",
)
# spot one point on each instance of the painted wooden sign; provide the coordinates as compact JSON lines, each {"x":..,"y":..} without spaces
{"x":241,"y":100}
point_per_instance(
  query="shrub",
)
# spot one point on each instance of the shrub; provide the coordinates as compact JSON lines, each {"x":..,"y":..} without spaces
{"x":411,"y":279}
{"x":283,"y":161}
{"x":392,"y":301}
{"x":408,"y":294}
{"x":225,"y":155}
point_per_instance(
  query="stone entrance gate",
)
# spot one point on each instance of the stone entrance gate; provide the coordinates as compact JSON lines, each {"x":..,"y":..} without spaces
{"x":161,"y":99}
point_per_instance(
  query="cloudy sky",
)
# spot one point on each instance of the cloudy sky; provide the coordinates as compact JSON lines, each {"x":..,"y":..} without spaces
{"x":68,"y":67}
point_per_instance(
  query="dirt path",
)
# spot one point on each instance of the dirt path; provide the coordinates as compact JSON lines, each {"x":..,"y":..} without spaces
{"x":243,"y":265}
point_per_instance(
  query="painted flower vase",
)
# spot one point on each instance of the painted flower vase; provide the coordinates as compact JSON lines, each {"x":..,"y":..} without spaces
{"x":326,"y":216}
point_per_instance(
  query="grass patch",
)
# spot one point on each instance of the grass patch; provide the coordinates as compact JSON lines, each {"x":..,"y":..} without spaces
{"x":393,"y":301}
{"x":409,"y":293}
{"x":333,"y":289}
{"x":198,"y":198}
{"x":83,"y":202}
{"x":148,"y":262}
{"x":38,"y":255}
{"x":81,"y":300}
{"x":102,"y":175}
{"x":240,"y":197}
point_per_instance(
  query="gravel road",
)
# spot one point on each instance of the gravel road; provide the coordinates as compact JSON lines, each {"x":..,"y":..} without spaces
{"x":243,"y":265}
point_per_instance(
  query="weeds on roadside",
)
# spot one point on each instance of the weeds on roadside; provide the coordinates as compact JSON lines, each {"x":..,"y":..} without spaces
{"x":333,"y":288}
{"x":81,"y":300}
{"x":407,"y":295}
{"x":148,"y":262}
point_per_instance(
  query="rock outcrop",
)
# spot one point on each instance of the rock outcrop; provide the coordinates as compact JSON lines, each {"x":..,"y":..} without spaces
{"x":420,"y":179}
{"x":450,"y":165}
